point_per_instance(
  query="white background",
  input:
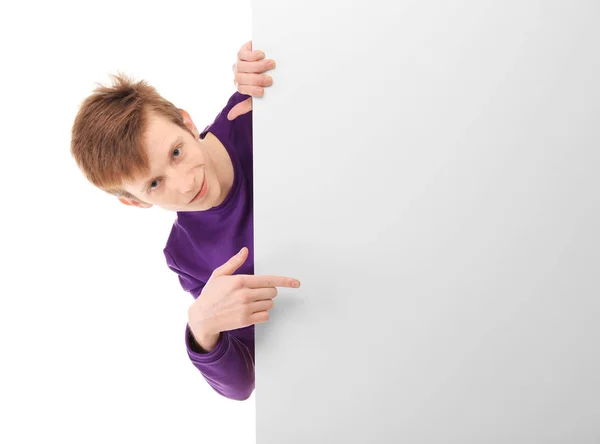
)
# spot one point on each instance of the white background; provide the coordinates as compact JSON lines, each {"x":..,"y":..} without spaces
{"x":91,"y":319}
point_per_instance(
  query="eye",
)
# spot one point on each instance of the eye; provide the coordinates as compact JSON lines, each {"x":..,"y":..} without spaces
{"x":154,"y":184}
{"x":177,"y":152}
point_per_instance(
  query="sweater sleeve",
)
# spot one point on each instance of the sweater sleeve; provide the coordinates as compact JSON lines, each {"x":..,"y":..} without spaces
{"x":229,"y":367}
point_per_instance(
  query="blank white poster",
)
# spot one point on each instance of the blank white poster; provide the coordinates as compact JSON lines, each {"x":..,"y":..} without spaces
{"x":429,"y":171}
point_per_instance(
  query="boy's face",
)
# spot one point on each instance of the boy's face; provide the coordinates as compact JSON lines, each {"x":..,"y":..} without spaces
{"x":182,"y":176}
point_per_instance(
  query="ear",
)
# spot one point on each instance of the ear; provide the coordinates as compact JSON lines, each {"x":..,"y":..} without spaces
{"x":187,"y":120}
{"x":134,"y":203}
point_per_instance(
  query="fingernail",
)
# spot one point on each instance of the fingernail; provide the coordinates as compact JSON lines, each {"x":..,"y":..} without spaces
{"x":295,"y":284}
{"x":271,"y":64}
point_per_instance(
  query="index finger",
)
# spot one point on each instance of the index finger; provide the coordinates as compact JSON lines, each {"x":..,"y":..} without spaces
{"x":266,"y":281}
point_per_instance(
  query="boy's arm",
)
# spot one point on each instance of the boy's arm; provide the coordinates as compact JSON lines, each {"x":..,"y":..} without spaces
{"x":229,"y":366}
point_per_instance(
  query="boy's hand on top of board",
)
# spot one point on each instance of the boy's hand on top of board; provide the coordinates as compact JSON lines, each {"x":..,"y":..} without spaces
{"x":249,"y":77}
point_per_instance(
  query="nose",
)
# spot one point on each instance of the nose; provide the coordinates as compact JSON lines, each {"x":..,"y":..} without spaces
{"x":183,"y":181}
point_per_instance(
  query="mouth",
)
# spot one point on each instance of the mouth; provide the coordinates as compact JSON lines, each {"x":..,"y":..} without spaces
{"x":202,"y":192}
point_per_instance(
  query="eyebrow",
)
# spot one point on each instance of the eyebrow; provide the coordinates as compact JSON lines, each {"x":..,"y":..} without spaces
{"x":172,"y":147}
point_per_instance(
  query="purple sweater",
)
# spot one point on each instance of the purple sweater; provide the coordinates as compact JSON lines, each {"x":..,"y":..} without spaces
{"x":201,"y":241}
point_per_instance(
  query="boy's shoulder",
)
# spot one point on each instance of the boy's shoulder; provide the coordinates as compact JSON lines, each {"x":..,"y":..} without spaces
{"x":221,"y":122}
{"x":235,"y":135}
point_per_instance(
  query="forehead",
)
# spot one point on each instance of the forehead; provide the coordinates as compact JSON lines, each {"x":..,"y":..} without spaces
{"x":159,"y":135}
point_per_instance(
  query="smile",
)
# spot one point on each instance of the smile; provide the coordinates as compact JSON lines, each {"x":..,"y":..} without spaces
{"x":202,"y":192}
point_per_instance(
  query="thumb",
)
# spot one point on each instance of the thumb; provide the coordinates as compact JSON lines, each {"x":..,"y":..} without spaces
{"x":239,"y":109}
{"x":229,"y":267}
